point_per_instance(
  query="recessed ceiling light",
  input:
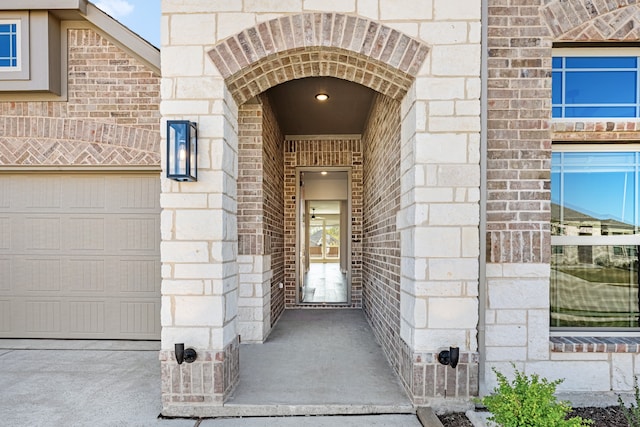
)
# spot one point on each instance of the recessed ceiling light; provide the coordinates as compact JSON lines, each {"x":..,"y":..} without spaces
{"x":322,"y":97}
{"x":323,"y":172}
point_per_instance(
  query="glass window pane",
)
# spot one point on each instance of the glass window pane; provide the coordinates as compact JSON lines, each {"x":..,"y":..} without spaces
{"x":600,"y":112}
{"x":601,"y":62}
{"x":600,"y":87}
{"x":593,"y":194}
{"x":556,"y":89}
{"x":5,"y":46}
{"x":594,"y":286}
{"x":556,"y":112}
{"x":556,"y":62}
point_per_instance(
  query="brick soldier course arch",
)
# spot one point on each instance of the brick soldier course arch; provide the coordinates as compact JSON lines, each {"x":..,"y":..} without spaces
{"x":586,"y":20}
{"x":318,"y":44}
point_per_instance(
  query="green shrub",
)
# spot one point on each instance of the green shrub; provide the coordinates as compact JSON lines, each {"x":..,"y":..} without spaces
{"x":632,"y":413}
{"x":529,"y":402}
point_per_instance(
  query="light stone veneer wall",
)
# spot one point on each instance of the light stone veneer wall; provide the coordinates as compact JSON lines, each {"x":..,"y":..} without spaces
{"x":439,"y":166}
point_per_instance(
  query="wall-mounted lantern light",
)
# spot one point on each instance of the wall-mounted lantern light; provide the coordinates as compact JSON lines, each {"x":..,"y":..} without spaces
{"x":449,"y":357}
{"x":182,"y":150}
{"x":188,"y":355}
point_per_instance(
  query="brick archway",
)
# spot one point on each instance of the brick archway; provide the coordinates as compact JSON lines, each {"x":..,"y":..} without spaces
{"x":318,"y":44}
{"x":584,"y":20}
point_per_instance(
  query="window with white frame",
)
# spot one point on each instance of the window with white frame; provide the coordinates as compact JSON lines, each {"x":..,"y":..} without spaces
{"x":10,"y":45}
{"x":595,"y":223}
{"x":596,"y":83}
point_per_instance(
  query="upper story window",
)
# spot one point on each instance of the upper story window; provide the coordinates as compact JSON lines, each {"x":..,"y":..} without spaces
{"x":9,"y":45}
{"x":597,"y":84}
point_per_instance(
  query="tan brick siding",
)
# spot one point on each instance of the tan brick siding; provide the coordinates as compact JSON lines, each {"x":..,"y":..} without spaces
{"x":111,"y":117}
{"x":381,"y":240}
{"x":519,"y":138}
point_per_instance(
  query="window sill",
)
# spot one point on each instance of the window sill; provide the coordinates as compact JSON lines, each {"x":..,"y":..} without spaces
{"x":595,"y":344}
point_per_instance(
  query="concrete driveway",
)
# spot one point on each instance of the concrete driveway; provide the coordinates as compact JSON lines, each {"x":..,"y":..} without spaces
{"x":90,"y":383}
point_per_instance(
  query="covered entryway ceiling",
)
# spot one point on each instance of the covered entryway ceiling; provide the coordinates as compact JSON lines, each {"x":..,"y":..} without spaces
{"x":300,"y":113}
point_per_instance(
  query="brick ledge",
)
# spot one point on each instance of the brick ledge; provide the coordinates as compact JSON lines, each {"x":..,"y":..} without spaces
{"x":595,"y":344}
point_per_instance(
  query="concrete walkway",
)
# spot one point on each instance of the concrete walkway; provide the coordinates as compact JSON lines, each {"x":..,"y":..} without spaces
{"x":308,"y":363}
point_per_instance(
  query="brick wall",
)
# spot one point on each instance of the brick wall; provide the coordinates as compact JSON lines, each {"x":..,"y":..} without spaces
{"x":111,"y":117}
{"x":519,"y":140}
{"x":381,"y":241}
{"x":323,"y":152}
{"x":273,"y":190}
{"x":260,"y":218}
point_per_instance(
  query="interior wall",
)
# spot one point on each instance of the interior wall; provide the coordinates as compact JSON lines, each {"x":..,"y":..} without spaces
{"x":319,"y":151}
{"x":381,"y":240}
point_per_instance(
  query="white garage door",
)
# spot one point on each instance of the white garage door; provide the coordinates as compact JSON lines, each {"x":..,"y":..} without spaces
{"x":80,"y":256}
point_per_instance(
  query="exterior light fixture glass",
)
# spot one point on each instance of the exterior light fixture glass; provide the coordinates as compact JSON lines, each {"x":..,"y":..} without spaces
{"x":182,"y":150}
{"x":322,"y":97}
{"x":323,"y":173}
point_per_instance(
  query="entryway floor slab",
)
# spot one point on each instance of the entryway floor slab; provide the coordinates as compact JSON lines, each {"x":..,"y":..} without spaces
{"x":318,"y":361}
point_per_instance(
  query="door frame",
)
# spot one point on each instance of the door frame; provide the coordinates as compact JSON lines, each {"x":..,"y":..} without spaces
{"x":298,"y":248}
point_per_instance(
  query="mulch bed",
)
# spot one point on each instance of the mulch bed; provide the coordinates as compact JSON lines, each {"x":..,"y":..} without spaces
{"x":602,"y":417}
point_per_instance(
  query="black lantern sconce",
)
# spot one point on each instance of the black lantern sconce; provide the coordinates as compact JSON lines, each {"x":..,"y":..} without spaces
{"x":449,"y":357}
{"x":188,"y":355}
{"x":182,"y":150}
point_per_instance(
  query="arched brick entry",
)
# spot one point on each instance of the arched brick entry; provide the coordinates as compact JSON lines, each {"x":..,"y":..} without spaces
{"x":584,"y":20}
{"x":318,"y":44}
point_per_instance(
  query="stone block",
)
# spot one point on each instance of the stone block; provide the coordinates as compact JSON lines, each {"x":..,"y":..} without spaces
{"x":467,"y":108}
{"x":193,"y":29}
{"x":511,"y":317}
{"x":230,"y":24}
{"x":174,"y":64}
{"x":514,"y":294}
{"x":368,"y":9}
{"x":456,"y":9}
{"x":505,"y":335}
{"x":538,"y":334}
{"x":446,"y":33}
{"x":622,"y":371}
{"x":470,"y":242}
{"x":441,"y":108}
{"x":441,"y":148}
{"x":434,"y":88}
{"x":526,"y":270}
{"x":457,"y":175}
{"x":505,"y":354}
{"x":391,"y":10}
{"x":183,"y":107}
{"x":453,"y":313}
{"x":183,"y":200}
{"x":246,"y":290}
{"x":445,"y":60}
{"x":454,"y":214}
{"x":194,"y":6}
{"x":197,"y":337}
{"x":191,"y":224}
{"x":172,"y":251}
{"x":166,"y":309}
{"x":574,"y":376}
{"x":348,"y":6}
{"x":197,"y":271}
{"x":199,"y":310}
{"x":453,"y":269}
{"x":198,"y":88}
{"x":453,"y":124}
{"x":433,"y":340}
{"x":182,"y":287}
{"x":437,"y":242}
{"x":438,"y":289}
{"x":273,"y":6}
{"x":433,"y":195}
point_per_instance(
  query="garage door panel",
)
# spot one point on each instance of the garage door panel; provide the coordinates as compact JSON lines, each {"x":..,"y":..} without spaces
{"x":7,"y":274}
{"x":5,"y":315}
{"x":79,"y":258}
{"x":37,"y":193}
{"x":139,"y":276}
